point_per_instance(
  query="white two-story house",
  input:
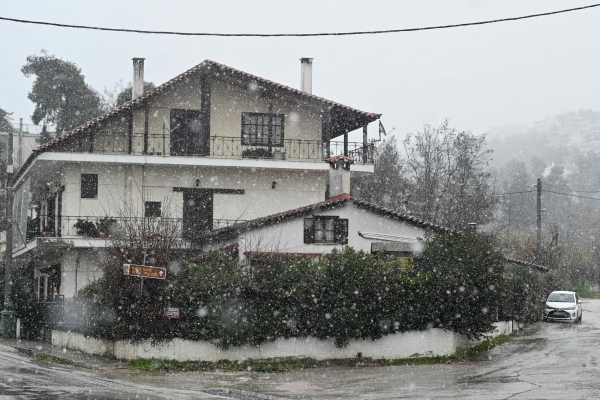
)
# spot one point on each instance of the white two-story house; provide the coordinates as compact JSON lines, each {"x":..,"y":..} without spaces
{"x":209,"y":148}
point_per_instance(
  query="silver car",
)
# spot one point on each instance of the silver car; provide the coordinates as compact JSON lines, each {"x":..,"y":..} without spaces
{"x":563,"y":306}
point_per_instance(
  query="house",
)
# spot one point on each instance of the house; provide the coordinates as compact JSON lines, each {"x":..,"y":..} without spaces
{"x":318,"y":228}
{"x":209,"y":148}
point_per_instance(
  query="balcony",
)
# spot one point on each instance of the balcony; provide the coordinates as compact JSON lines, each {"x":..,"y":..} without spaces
{"x":106,"y":227}
{"x":232,"y":147}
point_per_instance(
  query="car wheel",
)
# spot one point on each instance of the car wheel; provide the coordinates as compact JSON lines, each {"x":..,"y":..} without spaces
{"x":580,"y":317}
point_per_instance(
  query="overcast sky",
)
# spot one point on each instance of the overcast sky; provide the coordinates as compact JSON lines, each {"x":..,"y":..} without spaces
{"x":478,"y":77}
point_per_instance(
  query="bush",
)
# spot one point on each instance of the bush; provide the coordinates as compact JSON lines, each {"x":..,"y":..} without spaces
{"x":459,"y":283}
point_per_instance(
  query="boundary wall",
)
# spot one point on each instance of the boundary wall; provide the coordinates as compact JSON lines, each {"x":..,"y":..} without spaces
{"x":427,"y":343}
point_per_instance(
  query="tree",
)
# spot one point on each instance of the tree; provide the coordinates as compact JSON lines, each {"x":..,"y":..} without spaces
{"x":126,"y":93}
{"x":5,"y":121}
{"x":450,"y":178}
{"x":388,"y":186}
{"x":61,"y":95}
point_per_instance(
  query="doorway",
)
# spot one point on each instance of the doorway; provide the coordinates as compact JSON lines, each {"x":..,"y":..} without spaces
{"x":188,"y":136}
{"x":197,"y":212}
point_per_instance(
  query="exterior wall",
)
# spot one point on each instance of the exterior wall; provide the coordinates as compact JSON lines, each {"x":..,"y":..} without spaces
{"x":228,"y":101}
{"x":302,"y":121}
{"x":431,"y":342}
{"x":123,"y":189}
{"x":288,"y":236}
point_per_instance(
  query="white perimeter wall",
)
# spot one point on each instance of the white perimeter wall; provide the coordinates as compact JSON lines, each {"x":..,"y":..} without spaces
{"x":431,"y":342}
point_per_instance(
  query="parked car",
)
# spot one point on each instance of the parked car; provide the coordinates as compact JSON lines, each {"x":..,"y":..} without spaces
{"x":563,"y":306}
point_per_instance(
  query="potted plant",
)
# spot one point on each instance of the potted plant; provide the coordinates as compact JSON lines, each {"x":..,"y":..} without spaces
{"x":86,"y":228}
{"x":257,"y":153}
{"x":105,"y":227}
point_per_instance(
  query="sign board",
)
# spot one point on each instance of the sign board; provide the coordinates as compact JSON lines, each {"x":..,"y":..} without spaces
{"x":144,"y":271}
{"x":172,"y":312}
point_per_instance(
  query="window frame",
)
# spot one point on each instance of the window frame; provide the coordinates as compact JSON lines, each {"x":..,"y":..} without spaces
{"x":249,"y":140}
{"x":151,"y":204}
{"x":84,"y":184}
{"x":340,"y":229}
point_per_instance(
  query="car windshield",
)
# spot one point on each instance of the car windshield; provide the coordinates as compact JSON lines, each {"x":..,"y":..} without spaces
{"x":561,"y":298}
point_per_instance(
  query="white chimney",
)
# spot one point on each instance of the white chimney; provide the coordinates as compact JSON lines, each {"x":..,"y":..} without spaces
{"x":306,"y":75}
{"x":339,"y":175}
{"x":138,"y":78}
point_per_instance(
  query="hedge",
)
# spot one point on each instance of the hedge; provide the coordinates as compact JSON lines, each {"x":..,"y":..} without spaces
{"x":459,"y":283}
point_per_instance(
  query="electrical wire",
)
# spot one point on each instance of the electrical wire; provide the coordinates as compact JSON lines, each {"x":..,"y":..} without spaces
{"x":570,"y":194}
{"x":507,"y":193}
{"x":573,"y":190}
{"x":428,"y":28}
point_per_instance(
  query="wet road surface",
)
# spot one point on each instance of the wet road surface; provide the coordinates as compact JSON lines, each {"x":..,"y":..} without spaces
{"x":545,"y":363}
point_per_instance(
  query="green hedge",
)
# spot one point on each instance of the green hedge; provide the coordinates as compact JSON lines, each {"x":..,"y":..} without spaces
{"x":459,"y":283}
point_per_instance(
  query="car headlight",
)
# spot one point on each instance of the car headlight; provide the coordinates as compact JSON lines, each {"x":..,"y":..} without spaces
{"x":570,"y":308}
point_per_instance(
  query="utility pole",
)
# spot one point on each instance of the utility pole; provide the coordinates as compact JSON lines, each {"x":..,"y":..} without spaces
{"x":538,"y":247}
{"x":8,"y":321}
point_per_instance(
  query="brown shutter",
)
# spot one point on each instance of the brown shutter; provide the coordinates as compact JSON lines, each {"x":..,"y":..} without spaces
{"x":309,"y":230}
{"x":341,"y":231}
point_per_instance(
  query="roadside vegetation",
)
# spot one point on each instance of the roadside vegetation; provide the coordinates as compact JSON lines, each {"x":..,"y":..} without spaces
{"x":459,"y":283}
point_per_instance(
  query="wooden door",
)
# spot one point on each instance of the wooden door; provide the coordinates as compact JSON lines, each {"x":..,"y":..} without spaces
{"x":197,"y":212}
{"x":188,"y":136}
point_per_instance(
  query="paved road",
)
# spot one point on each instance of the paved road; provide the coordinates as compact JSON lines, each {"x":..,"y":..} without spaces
{"x":23,"y":379}
{"x":544,"y":364}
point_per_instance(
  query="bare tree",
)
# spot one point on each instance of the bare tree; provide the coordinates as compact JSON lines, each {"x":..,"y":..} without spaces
{"x":449,"y":174}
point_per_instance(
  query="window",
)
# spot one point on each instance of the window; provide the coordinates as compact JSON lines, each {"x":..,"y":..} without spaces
{"x":152,"y":209}
{"x":325,"y":230}
{"x":256,"y":127}
{"x":89,"y":186}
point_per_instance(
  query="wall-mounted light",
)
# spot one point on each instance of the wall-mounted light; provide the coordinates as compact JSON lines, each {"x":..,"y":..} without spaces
{"x":273,"y":184}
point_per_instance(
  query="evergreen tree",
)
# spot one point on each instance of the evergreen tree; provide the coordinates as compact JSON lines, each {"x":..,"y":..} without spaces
{"x":61,"y":96}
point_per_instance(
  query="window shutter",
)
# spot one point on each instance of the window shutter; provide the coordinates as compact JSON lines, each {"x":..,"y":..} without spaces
{"x":309,"y":230}
{"x":341,"y":231}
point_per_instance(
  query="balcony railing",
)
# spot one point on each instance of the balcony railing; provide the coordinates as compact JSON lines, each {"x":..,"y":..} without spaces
{"x":105,"y":227}
{"x":232,"y":147}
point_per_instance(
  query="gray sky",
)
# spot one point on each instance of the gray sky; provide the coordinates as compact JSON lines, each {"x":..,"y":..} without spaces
{"x":479,"y":77}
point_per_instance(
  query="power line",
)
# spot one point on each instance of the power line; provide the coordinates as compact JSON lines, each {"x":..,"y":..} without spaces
{"x":570,"y":194}
{"x":507,"y":193}
{"x":573,"y":190}
{"x":428,"y":28}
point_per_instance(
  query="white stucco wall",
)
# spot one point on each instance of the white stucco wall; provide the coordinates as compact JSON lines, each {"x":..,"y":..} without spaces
{"x":123,"y":189}
{"x":288,"y":236}
{"x":431,"y":342}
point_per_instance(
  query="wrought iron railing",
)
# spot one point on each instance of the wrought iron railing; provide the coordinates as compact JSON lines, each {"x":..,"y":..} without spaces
{"x":106,"y":227}
{"x":231,"y":147}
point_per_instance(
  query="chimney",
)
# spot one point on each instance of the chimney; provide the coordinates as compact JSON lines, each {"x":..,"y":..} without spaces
{"x":339,"y":175}
{"x":306,"y":75}
{"x":138,"y":78}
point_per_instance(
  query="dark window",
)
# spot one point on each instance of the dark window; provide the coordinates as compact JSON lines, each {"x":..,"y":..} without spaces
{"x":89,"y":186}
{"x":152,"y":209}
{"x":256,"y":128}
{"x":326,"y":230}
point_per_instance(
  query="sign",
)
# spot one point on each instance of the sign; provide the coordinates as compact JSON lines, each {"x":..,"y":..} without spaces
{"x":172,"y":312}
{"x":144,"y":271}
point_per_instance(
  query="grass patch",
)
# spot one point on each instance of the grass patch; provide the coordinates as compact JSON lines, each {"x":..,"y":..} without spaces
{"x":295,"y":364}
{"x":47,"y":358}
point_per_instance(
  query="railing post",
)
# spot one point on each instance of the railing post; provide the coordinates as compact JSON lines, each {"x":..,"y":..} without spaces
{"x":345,"y":144}
{"x":365,"y":145}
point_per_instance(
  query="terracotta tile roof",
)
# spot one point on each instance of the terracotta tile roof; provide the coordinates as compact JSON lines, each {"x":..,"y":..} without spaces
{"x":146,"y":96}
{"x":334,"y":159}
{"x":526,"y":263}
{"x":336,"y":201}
